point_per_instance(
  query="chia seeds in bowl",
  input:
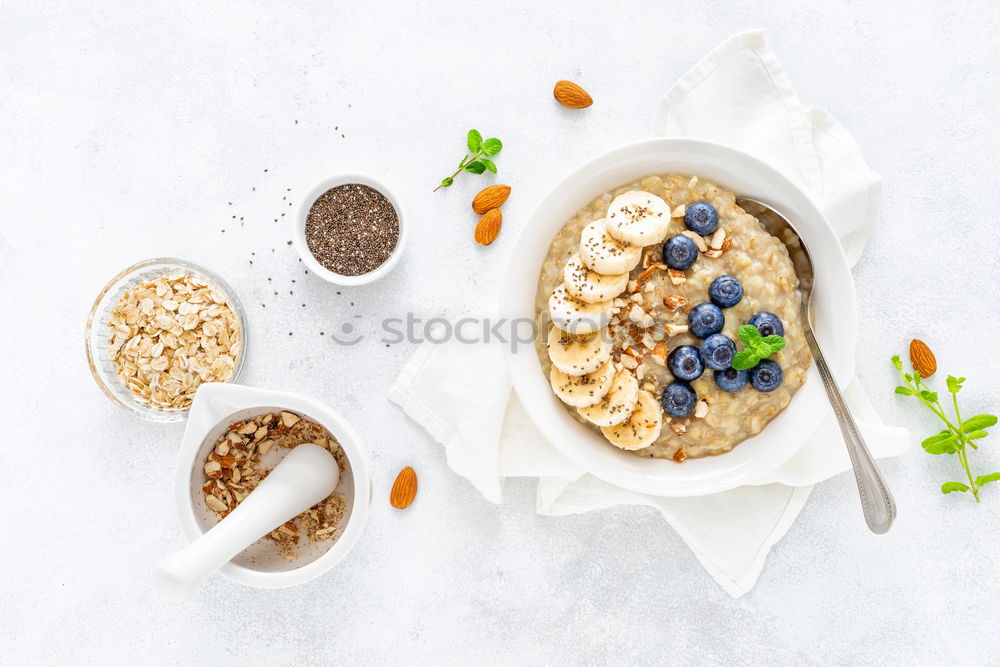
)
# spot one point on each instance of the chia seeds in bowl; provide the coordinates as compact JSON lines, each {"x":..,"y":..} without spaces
{"x":350,"y":230}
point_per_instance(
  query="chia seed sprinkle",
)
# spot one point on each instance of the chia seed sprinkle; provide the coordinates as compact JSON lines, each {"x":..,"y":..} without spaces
{"x":352,"y":229}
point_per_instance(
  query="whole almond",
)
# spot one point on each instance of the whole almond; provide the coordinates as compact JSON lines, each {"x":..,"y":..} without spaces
{"x":488,"y":227}
{"x":404,"y":490}
{"x":922,"y":358}
{"x":571,"y":95}
{"x":492,"y":197}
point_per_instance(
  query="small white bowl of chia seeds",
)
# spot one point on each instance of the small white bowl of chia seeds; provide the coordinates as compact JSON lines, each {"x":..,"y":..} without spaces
{"x":349,"y":229}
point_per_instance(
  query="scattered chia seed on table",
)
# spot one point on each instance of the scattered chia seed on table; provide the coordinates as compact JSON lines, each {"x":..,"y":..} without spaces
{"x":352,"y":229}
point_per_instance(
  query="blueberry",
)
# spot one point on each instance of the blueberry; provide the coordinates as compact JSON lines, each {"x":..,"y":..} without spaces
{"x":679,"y":252}
{"x":685,"y":363}
{"x":725,"y":291}
{"x":678,"y":399}
{"x":730,"y":380}
{"x":768,"y":324}
{"x":701,"y":218}
{"x":718,"y":351}
{"x":705,"y":319}
{"x":766,"y":376}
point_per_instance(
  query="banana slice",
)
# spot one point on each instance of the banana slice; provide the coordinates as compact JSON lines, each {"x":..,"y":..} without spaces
{"x":582,"y":390}
{"x":617,"y":404}
{"x":604,"y":253}
{"x":641,"y":429}
{"x":590,"y":286}
{"x":576,"y":317}
{"x":578,"y":355}
{"x":638,"y":218}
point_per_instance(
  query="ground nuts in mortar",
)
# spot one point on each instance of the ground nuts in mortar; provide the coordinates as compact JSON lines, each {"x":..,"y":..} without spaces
{"x":233,"y":469}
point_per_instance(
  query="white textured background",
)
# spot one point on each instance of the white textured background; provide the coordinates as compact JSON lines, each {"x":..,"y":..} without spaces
{"x":124,"y":132}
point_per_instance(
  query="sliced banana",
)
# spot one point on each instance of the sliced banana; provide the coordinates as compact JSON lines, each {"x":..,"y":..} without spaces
{"x":577,"y":317}
{"x":617,"y":404}
{"x":641,"y":429}
{"x":578,"y":355}
{"x":604,"y":253}
{"x":582,"y":390}
{"x":638,"y":218}
{"x":590,"y":286}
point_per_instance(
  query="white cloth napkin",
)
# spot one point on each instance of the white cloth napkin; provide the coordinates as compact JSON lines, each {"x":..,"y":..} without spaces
{"x":738,"y":95}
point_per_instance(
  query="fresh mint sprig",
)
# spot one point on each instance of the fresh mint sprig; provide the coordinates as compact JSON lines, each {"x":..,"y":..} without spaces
{"x":478,"y":159}
{"x":958,"y":436}
{"x":757,"y":347}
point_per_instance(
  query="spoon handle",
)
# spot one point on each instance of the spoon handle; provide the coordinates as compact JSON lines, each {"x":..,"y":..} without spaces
{"x":876,"y":501}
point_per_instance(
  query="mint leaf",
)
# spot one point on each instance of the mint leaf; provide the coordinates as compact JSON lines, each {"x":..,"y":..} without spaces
{"x":978,"y":423}
{"x":748,"y":333}
{"x":986,"y":479}
{"x":492,"y":146}
{"x":473,"y":162}
{"x":959,"y":440}
{"x":942,"y":443}
{"x":775,"y":342}
{"x":745,"y":360}
{"x":760,"y":348}
{"x":475,"y":141}
{"x":948,"y":487}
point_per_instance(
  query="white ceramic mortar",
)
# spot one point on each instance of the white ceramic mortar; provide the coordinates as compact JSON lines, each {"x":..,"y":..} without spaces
{"x":216,"y":406}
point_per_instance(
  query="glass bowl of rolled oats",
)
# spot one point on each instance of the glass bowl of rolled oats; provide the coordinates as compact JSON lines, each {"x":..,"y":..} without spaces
{"x":158,"y":330}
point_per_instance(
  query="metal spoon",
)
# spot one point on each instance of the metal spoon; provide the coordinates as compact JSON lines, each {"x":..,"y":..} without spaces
{"x":876,"y":501}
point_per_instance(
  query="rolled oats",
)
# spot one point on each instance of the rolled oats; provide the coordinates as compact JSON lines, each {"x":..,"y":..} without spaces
{"x":169,"y":335}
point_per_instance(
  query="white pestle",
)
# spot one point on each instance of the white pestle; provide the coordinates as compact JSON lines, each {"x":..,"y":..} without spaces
{"x":306,"y":475}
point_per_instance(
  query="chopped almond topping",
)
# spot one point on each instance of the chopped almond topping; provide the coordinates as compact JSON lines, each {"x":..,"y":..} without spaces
{"x":698,"y":240}
{"x":645,"y":274}
{"x":674,"y":301}
{"x":675,"y":329}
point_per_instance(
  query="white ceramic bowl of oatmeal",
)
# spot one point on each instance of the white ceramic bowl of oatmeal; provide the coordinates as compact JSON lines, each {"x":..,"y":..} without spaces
{"x":834,"y":307}
{"x":262,"y":565}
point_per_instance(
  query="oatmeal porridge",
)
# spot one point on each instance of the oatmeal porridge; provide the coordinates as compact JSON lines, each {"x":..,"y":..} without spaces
{"x":649,"y":300}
